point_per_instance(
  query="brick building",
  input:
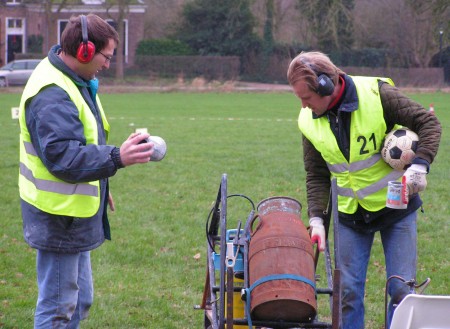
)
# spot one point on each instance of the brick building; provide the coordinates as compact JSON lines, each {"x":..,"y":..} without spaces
{"x":29,"y":29}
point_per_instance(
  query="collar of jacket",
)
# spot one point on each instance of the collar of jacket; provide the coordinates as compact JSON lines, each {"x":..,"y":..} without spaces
{"x":350,"y":98}
{"x":57,"y":62}
{"x":87,"y":88}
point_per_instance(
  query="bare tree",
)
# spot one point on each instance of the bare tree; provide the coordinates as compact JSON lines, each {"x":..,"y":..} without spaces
{"x":289,"y":26}
{"x":409,"y":29}
{"x":331,"y":22}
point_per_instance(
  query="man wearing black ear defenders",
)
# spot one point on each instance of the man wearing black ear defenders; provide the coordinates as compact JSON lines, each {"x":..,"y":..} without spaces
{"x":65,"y":163}
{"x":343,"y":121}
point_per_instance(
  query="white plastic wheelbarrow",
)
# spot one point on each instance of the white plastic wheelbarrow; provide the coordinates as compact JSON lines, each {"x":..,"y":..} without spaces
{"x":422,"y":312}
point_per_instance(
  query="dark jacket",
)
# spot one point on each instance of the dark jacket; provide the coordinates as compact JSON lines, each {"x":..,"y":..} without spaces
{"x":397,"y":109}
{"x":57,"y":135}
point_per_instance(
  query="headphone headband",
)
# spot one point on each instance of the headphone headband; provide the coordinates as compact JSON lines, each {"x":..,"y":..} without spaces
{"x":86,"y":49}
{"x":84,"y":33}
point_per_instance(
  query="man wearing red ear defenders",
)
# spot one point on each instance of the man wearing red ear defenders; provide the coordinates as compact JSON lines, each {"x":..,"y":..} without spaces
{"x":65,"y":163}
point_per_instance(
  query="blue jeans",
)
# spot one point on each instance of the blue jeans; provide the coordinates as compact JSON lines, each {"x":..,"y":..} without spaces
{"x":65,"y":289}
{"x":400,"y":251}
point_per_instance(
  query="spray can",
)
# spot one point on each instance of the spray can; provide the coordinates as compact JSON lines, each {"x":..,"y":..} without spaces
{"x":397,"y":195}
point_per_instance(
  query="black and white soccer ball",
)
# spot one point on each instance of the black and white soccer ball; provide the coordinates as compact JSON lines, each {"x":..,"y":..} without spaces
{"x":399,"y":148}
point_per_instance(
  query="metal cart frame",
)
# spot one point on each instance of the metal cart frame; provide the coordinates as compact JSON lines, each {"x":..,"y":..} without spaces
{"x":219,"y":289}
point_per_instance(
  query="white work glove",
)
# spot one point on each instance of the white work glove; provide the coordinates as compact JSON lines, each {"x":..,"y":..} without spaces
{"x":415,"y":178}
{"x":317,"y":232}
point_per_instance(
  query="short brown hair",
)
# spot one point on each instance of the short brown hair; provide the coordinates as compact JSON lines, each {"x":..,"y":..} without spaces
{"x":99,"y":33}
{"x":308,"y":65}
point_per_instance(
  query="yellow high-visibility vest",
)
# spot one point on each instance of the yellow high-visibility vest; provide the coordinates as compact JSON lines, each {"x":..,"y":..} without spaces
{"x":36,"y":184}
{"x":364,"y":178}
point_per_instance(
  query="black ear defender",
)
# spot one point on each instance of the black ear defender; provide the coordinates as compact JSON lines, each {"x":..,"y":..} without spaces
{"x":86,"y":49}
{"x":325,"y":85}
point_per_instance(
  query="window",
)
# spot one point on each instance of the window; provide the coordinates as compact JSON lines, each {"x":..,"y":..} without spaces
{"x":14,"y":23}
{"x":20,"y":66}
{"x":61,"y":26}
{"x":32,"y":64}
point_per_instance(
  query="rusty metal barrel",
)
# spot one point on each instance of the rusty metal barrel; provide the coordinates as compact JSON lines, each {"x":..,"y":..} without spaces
{"x":281,"y":263}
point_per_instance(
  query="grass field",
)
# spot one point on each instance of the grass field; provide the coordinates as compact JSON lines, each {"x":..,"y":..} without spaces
{"x":152,"y":273}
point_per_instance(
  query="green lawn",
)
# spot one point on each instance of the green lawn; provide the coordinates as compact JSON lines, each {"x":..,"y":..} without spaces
{"x":150,"y":275}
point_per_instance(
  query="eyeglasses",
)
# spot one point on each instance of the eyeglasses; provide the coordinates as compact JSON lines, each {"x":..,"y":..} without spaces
{"x":107,"y":58}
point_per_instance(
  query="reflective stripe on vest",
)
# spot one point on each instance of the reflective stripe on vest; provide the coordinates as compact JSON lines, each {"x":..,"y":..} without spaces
{"x":58,"y":187}
{"x":36,"y":184}
{"x":54,"y":186}
{"x":360,"y":165}
{"x":363,"y":179}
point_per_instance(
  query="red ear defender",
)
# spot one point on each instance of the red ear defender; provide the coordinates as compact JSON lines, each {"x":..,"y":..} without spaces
{"x":86,"y":49}
{"x":85,"y":52}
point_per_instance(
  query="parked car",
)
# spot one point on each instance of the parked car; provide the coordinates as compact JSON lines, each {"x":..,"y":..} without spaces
{"x":17,"y":72}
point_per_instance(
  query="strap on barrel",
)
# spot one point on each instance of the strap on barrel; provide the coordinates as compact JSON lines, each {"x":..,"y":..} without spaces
{"x":271,"y":278}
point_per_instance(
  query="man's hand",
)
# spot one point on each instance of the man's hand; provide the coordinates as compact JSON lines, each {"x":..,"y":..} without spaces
{"x":415,"y":178}
{"x":317,"y":232}
{"x":134,"y":151}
